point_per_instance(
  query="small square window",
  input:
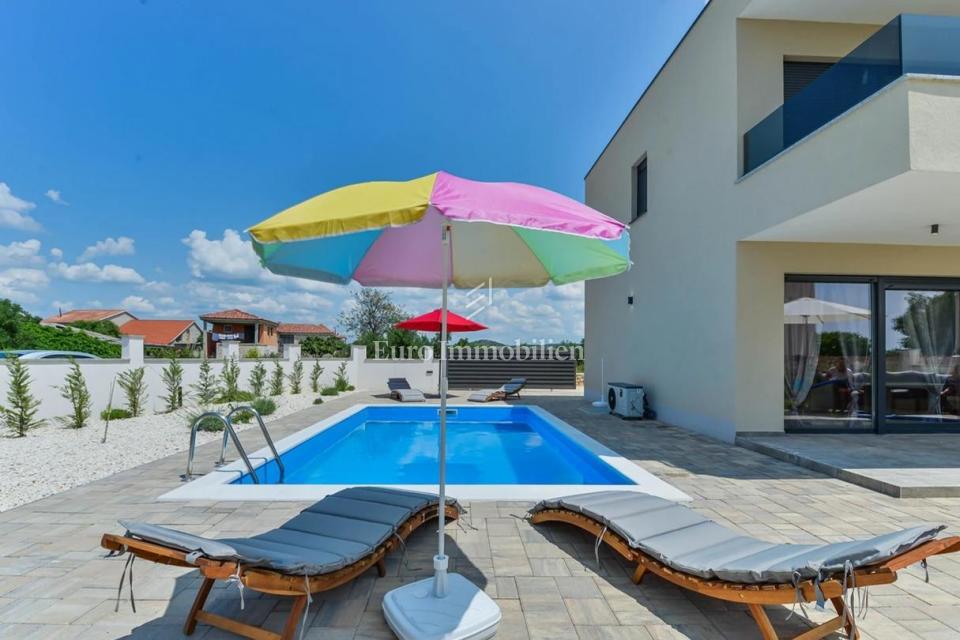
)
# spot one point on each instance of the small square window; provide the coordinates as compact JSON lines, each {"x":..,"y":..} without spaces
{"x":639,"y":189}
{"x":228,"y":328}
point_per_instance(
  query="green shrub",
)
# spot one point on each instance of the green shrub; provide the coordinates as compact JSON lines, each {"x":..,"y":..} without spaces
{"x":206,"y":388}
{"x":115,"y":414}
{"x":241,"y":417}
{"x":239,"y":396}
{"x":252,"y":353}
{"x":324,"y":346}
{"x":172,"y":377}
{"x":104,"y":327}
{"x":340,"y":380}
{"x":75,"y":391}
{"x":258,"y":379}
{"x":20,"y":414}
{"x":230,"y":376}
{"x":276,"y":380}
{"x":318,"y":400}
{"x":329,"y":391}
{"x":296,"y":377}
{"x":264,"y":406}
{"x":131,"y":381}
{"x":350,"y":387}
{"x":315,"y":374}
{"x":209,"y":423}
{"x":32,"y":335}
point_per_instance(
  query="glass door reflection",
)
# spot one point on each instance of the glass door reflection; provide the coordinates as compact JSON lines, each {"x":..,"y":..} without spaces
{"x":922,"y":360}
{"x":828,"y":355}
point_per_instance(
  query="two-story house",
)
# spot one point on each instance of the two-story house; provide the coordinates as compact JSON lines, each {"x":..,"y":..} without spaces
{"x":792,"y":181}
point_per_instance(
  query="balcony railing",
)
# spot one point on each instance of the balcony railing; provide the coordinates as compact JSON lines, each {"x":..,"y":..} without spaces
{"x":908,"y":44}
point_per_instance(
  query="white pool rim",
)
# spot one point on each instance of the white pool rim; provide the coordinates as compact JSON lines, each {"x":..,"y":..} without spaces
{"x":216,"y":485}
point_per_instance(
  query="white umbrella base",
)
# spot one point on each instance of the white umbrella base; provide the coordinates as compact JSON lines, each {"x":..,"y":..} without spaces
{"x":465,"y":613}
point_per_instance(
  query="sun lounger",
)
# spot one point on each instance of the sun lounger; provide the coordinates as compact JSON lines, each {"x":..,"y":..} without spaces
{"x":511,"y":388}
{"x":691,"y":551}
{"x":401,"y":390}
{"x":325,"y":546}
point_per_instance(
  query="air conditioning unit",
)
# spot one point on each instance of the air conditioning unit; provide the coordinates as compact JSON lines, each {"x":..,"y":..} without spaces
{"x":626,"y":400}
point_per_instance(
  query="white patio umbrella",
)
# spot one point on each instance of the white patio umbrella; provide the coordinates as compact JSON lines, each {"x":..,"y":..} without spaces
{"x":814,"y":310}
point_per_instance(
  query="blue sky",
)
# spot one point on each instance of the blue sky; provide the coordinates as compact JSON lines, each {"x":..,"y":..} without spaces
{"x":139,"y":139}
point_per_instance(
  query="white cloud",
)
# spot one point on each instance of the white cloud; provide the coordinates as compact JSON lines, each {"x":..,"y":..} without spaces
{"x":13,"y":211}
{"x":137,"y":303}
{"x":121,"y":246}
{"x":56,"y":253}
{"x":54,"y":195}
{"x":19,"y":284}
{"x":89,"y":272}
{"x":157,"y":286}
{"x":231,"y":257}
{"x":21,"y":253}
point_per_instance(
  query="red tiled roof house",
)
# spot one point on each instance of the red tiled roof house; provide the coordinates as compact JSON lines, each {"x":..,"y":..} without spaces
{"x":235,"y":324}
{"x":164,"y":333}
{"x":118,"y":317}
{"x":295,"y":333}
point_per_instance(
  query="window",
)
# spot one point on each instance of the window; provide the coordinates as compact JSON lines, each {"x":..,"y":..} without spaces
{"x":797,"y":74}
{"x":639,"y":189}
{"x":228,"y":328}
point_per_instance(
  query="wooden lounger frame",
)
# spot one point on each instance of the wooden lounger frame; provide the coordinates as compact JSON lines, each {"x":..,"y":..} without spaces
{"x":755,"y":596}
{"x":265,"y":580}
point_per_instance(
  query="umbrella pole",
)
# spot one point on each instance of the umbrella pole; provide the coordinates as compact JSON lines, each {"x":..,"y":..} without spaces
{"x":440,"y":562}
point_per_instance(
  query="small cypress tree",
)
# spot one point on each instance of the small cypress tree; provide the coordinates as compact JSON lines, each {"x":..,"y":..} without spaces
{"x":296,"y":377}
{"x":206,"y":388}
{"x":276,"y":380}
{"x":75,"y":391}
{"x":131,"y":381}
{"x":172,"y":377}
{"x":340,"y":380}
{"x":20,"y":414}
{"x":230,"y":375}
{"x":258,"y":379}
{"x":315,"y":374}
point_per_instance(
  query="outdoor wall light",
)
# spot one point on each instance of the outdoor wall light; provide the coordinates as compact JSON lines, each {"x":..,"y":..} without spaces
{"x":934,"y":229}
{"x":630,"y":300}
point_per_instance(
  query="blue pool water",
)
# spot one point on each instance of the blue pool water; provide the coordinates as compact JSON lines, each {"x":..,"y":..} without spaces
{"x":398,"y":445}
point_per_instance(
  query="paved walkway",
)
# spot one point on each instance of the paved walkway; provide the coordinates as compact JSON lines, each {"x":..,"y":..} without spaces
{"x":55,"y":583}
{"x":919,"y":465}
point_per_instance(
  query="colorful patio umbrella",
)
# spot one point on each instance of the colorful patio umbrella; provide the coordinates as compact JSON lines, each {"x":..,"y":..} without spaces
{"x":433,"y":321}
{"x":439,"y":231}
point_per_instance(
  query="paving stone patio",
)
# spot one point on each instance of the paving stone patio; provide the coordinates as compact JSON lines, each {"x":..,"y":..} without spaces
{"x":55,"y":582}
{"x":918,"y":465}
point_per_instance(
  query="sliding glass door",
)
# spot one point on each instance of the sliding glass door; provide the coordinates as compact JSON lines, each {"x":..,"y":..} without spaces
{"x":828,"y":356}
{"x":871,"y":354}
{"x":922,"y":360}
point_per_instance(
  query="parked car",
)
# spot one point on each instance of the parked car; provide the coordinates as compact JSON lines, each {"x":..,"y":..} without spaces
{"x":30,"y":354}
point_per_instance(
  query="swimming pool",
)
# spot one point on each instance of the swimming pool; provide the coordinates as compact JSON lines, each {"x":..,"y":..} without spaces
{"x":515,"y":452}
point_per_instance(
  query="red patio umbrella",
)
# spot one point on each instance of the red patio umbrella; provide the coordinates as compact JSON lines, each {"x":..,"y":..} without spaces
{"x":433,"y":321}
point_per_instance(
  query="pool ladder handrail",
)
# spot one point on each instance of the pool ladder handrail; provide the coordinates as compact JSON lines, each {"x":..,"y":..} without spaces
{"x":263,"y":430}
{"x":227,"y":430}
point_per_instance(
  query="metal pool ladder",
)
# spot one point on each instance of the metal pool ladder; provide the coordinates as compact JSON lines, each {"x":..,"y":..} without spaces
{"x":228,"y":431}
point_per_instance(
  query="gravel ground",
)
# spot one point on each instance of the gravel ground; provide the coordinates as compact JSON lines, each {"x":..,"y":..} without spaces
{"x":52,"y":458}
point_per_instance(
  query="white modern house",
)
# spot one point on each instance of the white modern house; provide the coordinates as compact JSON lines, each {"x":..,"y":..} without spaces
{"x":792,"y":182}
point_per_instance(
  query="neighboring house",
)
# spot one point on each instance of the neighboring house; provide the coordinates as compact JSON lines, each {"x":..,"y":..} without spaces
{"x":164,"y":333}
{"x":293,"y":333}
{"x":234,"y":324}
{"x":791,"y":178}
{"x":118,"y":317}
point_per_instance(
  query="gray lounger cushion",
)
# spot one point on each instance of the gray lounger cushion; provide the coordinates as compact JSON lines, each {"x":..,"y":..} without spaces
{"x":683,"y":539}
{"x":409,"y":395}
{"x":333,"y":533}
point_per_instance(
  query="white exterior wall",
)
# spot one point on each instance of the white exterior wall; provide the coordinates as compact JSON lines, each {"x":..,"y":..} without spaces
{"x":696,"y":336}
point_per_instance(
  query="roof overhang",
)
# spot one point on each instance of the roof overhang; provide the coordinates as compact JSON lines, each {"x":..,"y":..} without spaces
{"x":854,"y":11}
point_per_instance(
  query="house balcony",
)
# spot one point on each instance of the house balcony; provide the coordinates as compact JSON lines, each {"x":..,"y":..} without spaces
{"x":868,"y":152}
{"x":909,"y":44}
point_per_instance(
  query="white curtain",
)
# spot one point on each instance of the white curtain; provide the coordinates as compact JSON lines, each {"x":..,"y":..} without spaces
{"x":801,"y":351}
{"x":935,"y":344}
